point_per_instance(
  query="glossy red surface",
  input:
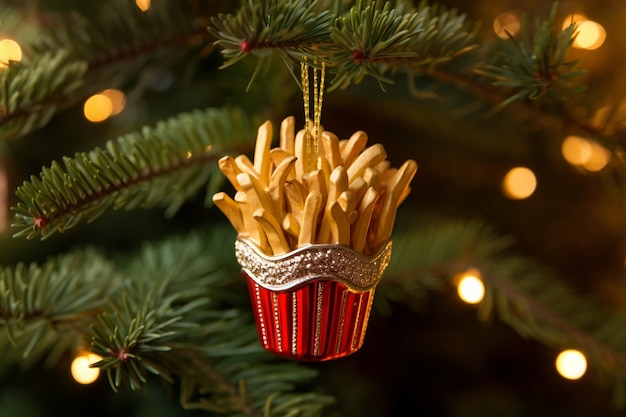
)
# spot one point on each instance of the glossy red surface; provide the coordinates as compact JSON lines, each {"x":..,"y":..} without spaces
{"x":320,"y":320}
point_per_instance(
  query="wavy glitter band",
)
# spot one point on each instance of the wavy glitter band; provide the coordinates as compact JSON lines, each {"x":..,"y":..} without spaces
{"x":313,"y":262}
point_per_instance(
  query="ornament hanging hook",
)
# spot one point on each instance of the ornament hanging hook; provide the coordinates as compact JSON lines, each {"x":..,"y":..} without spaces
{"x":312,"y":135}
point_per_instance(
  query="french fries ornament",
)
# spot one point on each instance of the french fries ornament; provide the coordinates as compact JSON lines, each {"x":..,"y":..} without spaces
{"x":314,"y":218}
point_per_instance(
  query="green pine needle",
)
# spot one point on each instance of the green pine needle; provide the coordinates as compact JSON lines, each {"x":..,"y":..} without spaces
{"x":164,"y":165}
{"x":539,"y":68}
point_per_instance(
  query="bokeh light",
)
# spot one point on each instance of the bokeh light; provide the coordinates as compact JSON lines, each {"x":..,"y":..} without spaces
{"x":98,"y":108}
{"x":506,"y":22}
{"x":118,"y":100}
{"x":571,"y":364}
{"x":590,"y":35}
{"x":81,"y":372}
{"x":143,"y":4}
{"x":586,"y":153}
{"x":519,"y":183}
{"x":9,"y":51}
{"x":470,"y":287}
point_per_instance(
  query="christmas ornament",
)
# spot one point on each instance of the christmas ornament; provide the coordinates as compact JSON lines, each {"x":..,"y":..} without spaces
{"x":314,"y":218}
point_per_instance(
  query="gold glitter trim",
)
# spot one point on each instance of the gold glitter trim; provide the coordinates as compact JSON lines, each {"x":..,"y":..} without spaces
{"x":344,"y":303}
{"x":277,"y":322}
{"x":320,"y":261}
{"x":294,"y":324}
{"x":259,"y":310}
{"x":318,"y":319}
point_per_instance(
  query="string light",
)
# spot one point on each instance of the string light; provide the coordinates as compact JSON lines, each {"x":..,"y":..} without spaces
{"x":470,"y":287}
{"x":118,"y":100}
{"x":143,"y":4}
{"x":586,"y":153}
{"x":98,"y":108}
{"x":571,"y":364}
{"x":81,"y":372}
{"x":505,"y":24}
{"x":519,"y":183}
{"x":9,"y":51}
{"x":590,"y":35}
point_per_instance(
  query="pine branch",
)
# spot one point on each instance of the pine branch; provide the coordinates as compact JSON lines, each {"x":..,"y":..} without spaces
{"x":370,"y":39}
{"x":30,"y":93}
{"x":164,"y":165}
{"x":524,"y":295}
{"x":44,"y":308}
{"x":118,"y":47}
{"x":172,"y":317}
{"x":538,"y":68}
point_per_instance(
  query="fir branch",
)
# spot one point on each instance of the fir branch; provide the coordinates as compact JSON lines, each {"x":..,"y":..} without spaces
{"x":375,"y":39}
{"x":119,"y":33}
{"x":44,"y":308}
{"x":163,"y":165}
{"x":172,"y":317}
{"x":75,"y":57}
{"x":290,"y":28}
{"x":30,"y":93}
{"x":368,"y":39}
{"x":524,"y":295}
{"x":538,"y":68}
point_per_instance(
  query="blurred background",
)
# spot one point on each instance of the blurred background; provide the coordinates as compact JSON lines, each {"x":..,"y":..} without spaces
{"x":429,"y":356}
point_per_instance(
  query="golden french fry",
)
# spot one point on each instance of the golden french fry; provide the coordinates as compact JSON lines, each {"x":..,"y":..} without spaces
{"x":370,"y":157}
{"x":338,"y":183}
{"x":273,"y":231}
{"x":244,"y":164}
{"x":230,"y":170}
{"x":229,"y":207}
{"x":287,"y":135}
{"x":315,"y":181}
{"x":255,"y":192}
{"x":308,"y":222}
{"x":262,"y":161}
{"x":347,"y":202}
{"x":301,"y":153}
{"x":276,"y":191}
{"x":278,"y":155}
{"x":296,"y":195}
{"x":361,"y":226}
{"x":252,"y":229}
{"x":340,"y":227}
{"x":372,"y":177}
{"x":358,"y":187}
{"x":291,"y":226}
{"x":396,"y":187}
{"x":351,"y":148}
{"x":330,"y":143}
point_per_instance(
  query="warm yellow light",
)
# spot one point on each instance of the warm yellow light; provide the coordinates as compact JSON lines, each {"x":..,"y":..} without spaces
{"x":574,"y":18}
{"x":118,"y":100}
{"x":9,"y":51}
{"x":81,"y":371}
{"x":587,"y":153}
{"x":599,"y":157}
{"x":519,"y":183}
{"x":143,"y":4}
{"x":98,"y":108}
{"x":506,"y":22}
{"x":571,"y":364}
{"x":590,"y":35}
{"x":471,"y":288}
{"x":576,"y":150}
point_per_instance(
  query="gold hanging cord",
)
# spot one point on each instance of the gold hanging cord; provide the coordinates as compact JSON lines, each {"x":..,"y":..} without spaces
{"x":311,"y":138}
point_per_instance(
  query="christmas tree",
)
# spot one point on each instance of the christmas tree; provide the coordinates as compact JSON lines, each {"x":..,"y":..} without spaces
{"x":115,"y":116}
